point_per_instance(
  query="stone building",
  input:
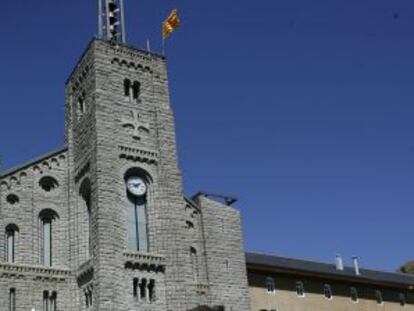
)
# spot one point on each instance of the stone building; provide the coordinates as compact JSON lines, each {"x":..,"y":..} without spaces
{"x":102,"y":223}
{"x":280,"y":283}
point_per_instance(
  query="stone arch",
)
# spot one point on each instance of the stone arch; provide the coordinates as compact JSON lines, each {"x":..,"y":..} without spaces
{"x":48,"y":183}
{"x":47,"y":220}
{"x":85,"y":221}
{"x":136,"y":212}
{"x":12,"y":199}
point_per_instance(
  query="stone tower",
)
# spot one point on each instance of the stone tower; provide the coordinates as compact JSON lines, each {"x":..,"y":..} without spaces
{"x":120,"y":131}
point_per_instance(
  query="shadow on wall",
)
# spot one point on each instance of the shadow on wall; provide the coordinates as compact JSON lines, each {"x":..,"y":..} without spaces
{"x":206,"y":308}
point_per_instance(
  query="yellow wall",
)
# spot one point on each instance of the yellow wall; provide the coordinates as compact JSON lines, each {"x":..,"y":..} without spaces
{"x":286,"y":299}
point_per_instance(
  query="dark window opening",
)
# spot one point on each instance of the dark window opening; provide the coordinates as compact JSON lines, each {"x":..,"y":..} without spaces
{"x":12,"y":299}
{"x":127,"y":88}
{"x":136,"y":89}
{"x":300,"y":289}
{"x":354,"y":294}
{"x":403,"y":300}
{"x":151,"y":290}
{"x":327,"y":291}
{"x":378,"y":297}
{"x":143,"y":289}
{"x":135,"y":287}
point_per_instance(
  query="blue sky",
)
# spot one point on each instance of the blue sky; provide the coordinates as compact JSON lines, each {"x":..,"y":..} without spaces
{"x":302,"y":109}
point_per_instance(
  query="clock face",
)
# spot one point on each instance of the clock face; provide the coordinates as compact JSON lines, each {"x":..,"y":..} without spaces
{"x":136,"y":186}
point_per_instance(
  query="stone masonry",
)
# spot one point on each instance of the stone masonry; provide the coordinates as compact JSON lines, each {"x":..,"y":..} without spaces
{"x":119,"y":123}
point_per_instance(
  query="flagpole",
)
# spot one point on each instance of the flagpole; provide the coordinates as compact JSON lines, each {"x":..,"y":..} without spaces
{"x":163,"y":45}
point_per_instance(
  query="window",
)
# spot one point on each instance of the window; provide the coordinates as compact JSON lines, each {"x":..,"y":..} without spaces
{"x":403,"y":300}
{"x":151,"y":290}
{"x":12,"y":299}
{"x":378,"y":297}
{"x":48,"y":183}
{"x":86,"y":212}
{"x":194,"y":263}
{"x":137,"y":213}
{"x":88,"y":296}
{"x":132,"y":90}
{"x":46,"y":219}
{"x":354,"y":294}
{"x":327,"y":291}
{"x":52,"y":301}
{"x":300,"y":289}
{"x":49,"y":301}
{"x":136,"y":90}
{"x":81,"y":104}
{"x":270,"y":285}
{"x":45,"y":301}
{"x":143,"y":289}
{"x":127,"y":88}
{"x":47,"y":241}
{"x":135,"y":288}
{"x":11,"y":235}
{"x":12,"y":199}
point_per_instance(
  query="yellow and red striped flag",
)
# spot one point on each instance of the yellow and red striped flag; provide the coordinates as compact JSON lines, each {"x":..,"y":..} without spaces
{"x":171,"y":24}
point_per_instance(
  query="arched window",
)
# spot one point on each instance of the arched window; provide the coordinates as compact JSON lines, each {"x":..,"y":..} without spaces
{"x":12,"y":299}
{"x":300,"y":289}
{"x":52,"y":301}
{"x":327,"y":291}
{"x":45,"y":301}
{"x":270,"y":285}
{"x":137,"y":186}
{"x":48,"y":183}
{"x":49,"y":301}
{"x":86,"y":212}
{"x":378,"y":297}
{"x":354,"y":294}
{"x":194,"y":263}
{"x":47,"y":217}
{"x":135,"y":284}
{"x":11,"y":237}
{"x":136,"y":90}
{"x":143,"y":289}
{"x":81,"y":104}
{"x":151,"y":290}
{"x":403,"y":300}
{"x":127,"y":88}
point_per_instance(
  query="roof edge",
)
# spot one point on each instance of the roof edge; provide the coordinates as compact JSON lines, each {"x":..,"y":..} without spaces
{"x":367,"y":275}
{"x":34,"y":161}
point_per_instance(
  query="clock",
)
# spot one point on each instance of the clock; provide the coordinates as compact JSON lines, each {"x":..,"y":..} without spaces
{"x":136,"y":186}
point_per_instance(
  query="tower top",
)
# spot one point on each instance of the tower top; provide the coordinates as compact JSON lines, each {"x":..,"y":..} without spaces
{"x":111,"y":20}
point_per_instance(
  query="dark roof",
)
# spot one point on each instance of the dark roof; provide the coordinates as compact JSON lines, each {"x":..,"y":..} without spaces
{"x":327,"y":270}
{"x":34,"y":161}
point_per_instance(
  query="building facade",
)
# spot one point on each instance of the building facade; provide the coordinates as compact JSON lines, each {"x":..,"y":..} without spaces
{"x":103,"y":224}
{"x":280,"y":283}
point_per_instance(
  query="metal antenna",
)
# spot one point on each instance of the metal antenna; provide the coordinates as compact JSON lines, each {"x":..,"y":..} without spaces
{"x":111,"y":20}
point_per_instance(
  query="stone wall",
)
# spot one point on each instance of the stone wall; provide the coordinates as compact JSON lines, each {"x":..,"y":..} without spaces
{"x":24,"y":194}
{"x":225,"y":257}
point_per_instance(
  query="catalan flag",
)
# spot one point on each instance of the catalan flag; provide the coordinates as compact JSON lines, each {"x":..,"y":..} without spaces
{"x":171,"y":24}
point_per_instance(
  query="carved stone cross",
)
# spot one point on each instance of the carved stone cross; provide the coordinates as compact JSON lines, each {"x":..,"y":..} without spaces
{"x":134,"y":125}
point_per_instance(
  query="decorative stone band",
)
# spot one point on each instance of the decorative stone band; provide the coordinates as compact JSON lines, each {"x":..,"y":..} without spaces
{"x":85,"y":272}
{"x":140,"y":261}
{"x":35,"y":272}
{"x":138,"y":155}
{"x":202,"y":289}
